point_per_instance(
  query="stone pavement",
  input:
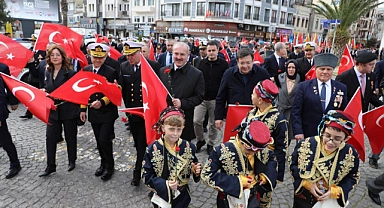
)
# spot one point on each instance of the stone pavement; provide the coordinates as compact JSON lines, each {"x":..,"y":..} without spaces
{"x":80,"y":188}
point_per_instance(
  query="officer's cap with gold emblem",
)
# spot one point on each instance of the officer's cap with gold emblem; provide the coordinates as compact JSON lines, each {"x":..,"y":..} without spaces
{"x":33,"y":37}
{"x":130,"y":47}
{"x":203,"y":44}
{"x":310,"y":46}
{"x":98,"y":49}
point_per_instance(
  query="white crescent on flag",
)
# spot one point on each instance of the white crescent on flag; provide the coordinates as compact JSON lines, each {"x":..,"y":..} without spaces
{"x":145,"y":87}
{"x":346,"y":57}
{"x":378,"y":120}
{"x":53,"y":35}
{"x":145,"y":105}
{"x":15,"y":89}
{"x":5,"y":45}
{"x":77,"y":88}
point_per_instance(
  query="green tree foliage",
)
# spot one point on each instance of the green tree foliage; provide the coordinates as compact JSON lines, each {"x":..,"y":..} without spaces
{"x":348,"y":12}
{"x":4,"y":16}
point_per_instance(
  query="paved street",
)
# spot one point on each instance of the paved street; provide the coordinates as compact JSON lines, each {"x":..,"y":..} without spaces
{"x":80,"y":188}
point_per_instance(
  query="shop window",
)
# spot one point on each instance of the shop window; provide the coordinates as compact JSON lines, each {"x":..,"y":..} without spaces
{"x":236,"y":10}
{"x":219,"y":10}
{"x":175,"y":9}
{"x":247,"y":12}
{"x":266,"y":15}
{"x":256,"y":13}
{"x":186,"y":9}
{"x":162,"y":10}
{"x":200,"y":10}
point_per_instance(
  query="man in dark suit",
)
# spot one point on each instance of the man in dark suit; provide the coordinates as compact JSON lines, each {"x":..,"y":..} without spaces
{"x":316,"y":97}
{"x":111,"y":42}
{"x":10,"y":97}
{"x":275,"y":63}
{"x":130,"y":81}
{"x":361,"y":76}
{"x":5,"y":136}
{"x":305,"y":63}
{"x":297,"y":53}
{"x":379,"y":73}
{"x":101,"y":112}
{"x":186,"y":85}
{"x":166,"y":58}
{"x":375,"y":186}
{"x":237,"y":84}
{"x":203,"y":54}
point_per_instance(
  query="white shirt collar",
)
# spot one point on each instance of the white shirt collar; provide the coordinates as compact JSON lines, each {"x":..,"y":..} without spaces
{"x":175,"y":67}
{"x":277,"y":56}
{"x":358,"y":73}
{"x":97,"y":69}
{"x":327,"y":83}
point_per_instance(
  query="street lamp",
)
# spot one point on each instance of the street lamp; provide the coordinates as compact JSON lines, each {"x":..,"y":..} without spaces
{"x":114,"y":18}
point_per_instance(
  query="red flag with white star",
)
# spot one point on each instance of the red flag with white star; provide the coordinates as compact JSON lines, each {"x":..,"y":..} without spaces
{"x":154,"y":98}
{"x":13,"y":54}
{"x":75,"y":53}
{"x":346,"y":61}
{"x":373,"y":127}
{"x":354,"y":109}
{"x":257,"y":58}
{"x":311,"y":74}
{"x":58,"y":34}
{"x":83,"y":84}
{"x":34,"y":99}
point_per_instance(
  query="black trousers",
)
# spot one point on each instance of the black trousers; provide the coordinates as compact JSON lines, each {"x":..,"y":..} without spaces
{"x":8,"y":146}
{"x":103,"y":133}
{"x":188,"y":131}
{"x":139,"y":137}
{"x":304,"y":200}
{"x":54,"y":132}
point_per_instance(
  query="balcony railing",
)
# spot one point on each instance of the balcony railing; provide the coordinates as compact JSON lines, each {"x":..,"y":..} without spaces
{"x":273,"y":19}
{"x":256,"y":17}
{"x":282,"y":20}
{"x":247,"y":16}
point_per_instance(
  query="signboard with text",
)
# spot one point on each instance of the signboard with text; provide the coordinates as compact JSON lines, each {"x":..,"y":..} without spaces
{"x":44,"y":10}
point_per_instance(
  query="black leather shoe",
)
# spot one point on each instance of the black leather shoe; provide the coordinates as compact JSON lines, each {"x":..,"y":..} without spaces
{"x":209,"y":149}
{"x":12,"y":172}
{"x":373,"y":163}
{"x":135,"y":182}
{"x":99,"y":171}
{"x":71,"y":166}
{"x":205,"y":130}
{"x":375,"y":197}
{"x":48,"y":171}
{"x":107,"y":175}
{"x":128,"y":127}
{"x":199,"y":144}
{"x":26,"y":116}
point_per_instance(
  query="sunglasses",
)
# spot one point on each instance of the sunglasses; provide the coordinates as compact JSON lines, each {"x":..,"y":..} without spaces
{"x":251,"y":147}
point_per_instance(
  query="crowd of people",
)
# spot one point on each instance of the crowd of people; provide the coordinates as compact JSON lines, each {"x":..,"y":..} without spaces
{"x":245,"y":170}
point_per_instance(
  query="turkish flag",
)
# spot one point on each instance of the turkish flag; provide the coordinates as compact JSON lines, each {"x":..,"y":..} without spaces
{"x":151,"y":51}
{"x":154,"y":98}
{"x":83,"y":84}
{"x":236,"y":113}
{"x":135,"y":111}
{"x":311,"y":74}
{"x":346,"y":61}
{"x":300,"y":38}
{"x":34,"y":99}
{"x":226,"y":56}
{"x":354,"y":109}
{"x":244,"y":40}
{"x":113,"y":53}
{"x":74,"y":52}
{"x":13,"y":54}
{"x":373,"y":127}
{"x":100,"y":39}
{"x":257,"y":59}
{"x":58,"y":34}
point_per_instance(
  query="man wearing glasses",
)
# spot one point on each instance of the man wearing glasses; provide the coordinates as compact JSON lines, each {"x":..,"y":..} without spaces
{"x":325,"y":168}
{"x":243,"y":165}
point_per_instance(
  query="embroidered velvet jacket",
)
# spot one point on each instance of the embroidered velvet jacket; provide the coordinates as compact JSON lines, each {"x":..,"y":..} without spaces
{"x":179,"y":167}
{"x":227,"y":162}
{"x":310,"y":162}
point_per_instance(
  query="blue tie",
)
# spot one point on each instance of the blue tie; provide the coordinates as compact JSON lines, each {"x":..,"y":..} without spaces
{"x":323,"y":95}
{"x":170,"y":58}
